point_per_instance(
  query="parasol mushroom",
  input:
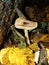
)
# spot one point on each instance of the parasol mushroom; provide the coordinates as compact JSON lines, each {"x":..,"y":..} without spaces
{"x":26,"y":25}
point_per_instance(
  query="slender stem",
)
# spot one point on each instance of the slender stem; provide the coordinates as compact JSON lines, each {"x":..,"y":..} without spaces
{"x":27,"y":37}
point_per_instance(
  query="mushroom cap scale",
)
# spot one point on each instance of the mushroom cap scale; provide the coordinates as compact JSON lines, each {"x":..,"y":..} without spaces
{"x":21,"y":23}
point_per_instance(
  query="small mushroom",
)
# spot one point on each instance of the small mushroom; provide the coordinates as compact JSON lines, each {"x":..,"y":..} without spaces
{"x":26,"y":25}
{"x":37,"y":56}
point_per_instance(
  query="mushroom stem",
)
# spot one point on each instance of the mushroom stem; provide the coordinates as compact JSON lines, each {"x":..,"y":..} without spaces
{"x":27,"y":37}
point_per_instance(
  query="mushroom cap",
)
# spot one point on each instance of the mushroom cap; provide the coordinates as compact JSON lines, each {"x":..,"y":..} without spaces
{"x":21,"y":23}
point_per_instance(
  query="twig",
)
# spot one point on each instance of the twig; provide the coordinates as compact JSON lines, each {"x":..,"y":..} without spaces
{"x":20,"y":14}
{"x":16,"y":32}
